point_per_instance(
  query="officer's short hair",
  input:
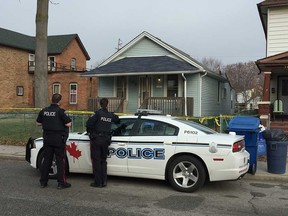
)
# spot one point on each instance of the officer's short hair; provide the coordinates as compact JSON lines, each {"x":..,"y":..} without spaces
{"x":56,"y":98}
{"x":104,"y":102}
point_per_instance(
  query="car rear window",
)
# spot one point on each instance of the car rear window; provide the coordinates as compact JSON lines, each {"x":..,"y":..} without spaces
{"x":197,"y":126}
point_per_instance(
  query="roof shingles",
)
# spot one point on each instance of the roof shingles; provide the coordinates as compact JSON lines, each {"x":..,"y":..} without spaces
{"x":143,"y":64}
{"x":55,"y":44}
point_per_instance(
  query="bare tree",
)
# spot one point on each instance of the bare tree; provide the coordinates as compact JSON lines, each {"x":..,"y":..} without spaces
{"x":212,"y":64}
{"x":245,"y":79}
{"x":41,"y":58}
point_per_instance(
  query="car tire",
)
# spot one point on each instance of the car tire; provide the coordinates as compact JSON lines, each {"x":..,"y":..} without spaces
{"x":186,"y":174}
{"x":53,"y":170}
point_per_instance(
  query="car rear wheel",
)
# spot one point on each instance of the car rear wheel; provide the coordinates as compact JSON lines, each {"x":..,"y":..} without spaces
{"x":186,"y":174}
{"x":53,"y":169}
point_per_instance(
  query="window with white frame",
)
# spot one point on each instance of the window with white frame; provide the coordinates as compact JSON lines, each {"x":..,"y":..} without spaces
{"x":56,"y":88}
{"x":73,"y":64}
{"x":73,"y":93}
{"x":31,"y":60}
{"x":51,"y":62}
{"x":20,"y":90}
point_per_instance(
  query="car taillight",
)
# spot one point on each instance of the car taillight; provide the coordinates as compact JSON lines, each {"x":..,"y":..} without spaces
{"x":238,"y":146}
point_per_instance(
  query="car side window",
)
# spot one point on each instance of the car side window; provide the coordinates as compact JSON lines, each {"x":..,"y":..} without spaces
{"x":156,"y":128}
{"x":124,"y":128}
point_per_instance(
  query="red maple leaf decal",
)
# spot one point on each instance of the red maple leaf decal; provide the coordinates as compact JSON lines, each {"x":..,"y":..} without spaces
{"x":73,"y":151}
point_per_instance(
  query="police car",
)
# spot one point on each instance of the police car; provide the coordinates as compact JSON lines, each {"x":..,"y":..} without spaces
{"x":158,"y":147}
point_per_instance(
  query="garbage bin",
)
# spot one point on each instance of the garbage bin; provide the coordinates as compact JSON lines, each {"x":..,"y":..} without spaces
{"x":249,"y":127}
{"x":276,"y":143}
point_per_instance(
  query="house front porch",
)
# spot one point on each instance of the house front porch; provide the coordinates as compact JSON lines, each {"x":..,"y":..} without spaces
{"x":177,"y":106}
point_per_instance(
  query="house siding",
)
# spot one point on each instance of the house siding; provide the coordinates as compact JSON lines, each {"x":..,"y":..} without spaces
{"x":277,"y":32}
{"x":145,"y":47}
{"x":228,"y":103}
{"x":193,"y":85}
{"x":210,"y":104}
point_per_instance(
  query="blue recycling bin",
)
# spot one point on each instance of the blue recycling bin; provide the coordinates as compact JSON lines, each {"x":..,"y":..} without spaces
{"x":249,"y":127}
{"x":276,"y":156}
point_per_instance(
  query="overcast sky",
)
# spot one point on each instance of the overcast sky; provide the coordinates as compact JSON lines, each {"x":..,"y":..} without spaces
{"x":227,"y":30}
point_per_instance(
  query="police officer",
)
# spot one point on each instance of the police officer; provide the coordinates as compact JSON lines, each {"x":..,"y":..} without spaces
{"x":55,"y":123}
{"x":99,"y":128}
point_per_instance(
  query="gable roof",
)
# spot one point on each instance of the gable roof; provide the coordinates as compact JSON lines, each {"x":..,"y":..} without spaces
{"x":141,"y":65}
{"x":263,"y":9}
{"x":55,"y":44}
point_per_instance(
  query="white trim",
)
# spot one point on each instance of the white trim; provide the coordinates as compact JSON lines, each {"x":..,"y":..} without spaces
{"x":264,"y":102}
{"x":141,"y":73}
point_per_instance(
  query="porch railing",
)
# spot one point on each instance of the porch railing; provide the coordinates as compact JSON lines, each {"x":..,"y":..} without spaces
{"x":55,"y":67}
{"x":169,"y":105}
{"x":115,"y":104}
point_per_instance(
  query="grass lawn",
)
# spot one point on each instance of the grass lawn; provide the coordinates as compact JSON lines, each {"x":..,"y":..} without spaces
{"x":16,"y":129}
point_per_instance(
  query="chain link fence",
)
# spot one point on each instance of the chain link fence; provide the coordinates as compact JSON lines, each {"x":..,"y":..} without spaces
{"x":16,"y":127}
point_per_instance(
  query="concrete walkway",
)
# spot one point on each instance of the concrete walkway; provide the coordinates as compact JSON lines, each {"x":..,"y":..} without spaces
{"x":18,"y":153}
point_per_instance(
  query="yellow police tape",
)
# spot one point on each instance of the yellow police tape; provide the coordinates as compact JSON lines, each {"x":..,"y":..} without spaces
{"x":200,"y":119}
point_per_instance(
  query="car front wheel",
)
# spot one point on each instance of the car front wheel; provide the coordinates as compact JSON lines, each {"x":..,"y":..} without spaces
{"x":186,"y":174}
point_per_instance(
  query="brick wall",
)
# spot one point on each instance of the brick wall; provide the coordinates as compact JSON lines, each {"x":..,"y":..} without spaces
{"x":14,"y":72}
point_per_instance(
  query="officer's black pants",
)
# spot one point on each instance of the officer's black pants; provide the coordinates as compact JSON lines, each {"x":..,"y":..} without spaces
{"x":99,"y":150}
{"x":53,"y":144}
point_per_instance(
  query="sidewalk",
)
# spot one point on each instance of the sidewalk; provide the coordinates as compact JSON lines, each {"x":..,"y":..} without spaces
{"x":18,"y":153}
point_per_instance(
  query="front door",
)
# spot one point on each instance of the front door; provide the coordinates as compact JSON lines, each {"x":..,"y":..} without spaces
{"x":283,"y":92}
{"x":145,"y":88}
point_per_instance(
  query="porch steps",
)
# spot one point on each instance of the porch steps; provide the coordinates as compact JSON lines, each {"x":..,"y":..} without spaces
{"x":280,"y":125}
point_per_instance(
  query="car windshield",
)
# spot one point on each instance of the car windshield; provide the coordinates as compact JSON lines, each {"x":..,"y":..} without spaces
{"x":200,"y":127}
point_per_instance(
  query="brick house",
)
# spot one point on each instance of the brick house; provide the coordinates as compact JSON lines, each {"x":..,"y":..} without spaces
{"x":66,"y":62}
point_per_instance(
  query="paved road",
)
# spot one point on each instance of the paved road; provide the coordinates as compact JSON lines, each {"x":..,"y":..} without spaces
{"x":20,"y":194}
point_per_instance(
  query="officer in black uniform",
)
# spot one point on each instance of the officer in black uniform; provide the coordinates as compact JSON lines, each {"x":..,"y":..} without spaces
{"x":99,"y":129}
{"x":55,"y":123}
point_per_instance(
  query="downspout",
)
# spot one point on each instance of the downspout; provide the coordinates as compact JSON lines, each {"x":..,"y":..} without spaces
{"x":200,"y":93}
{"x":185,"y":94}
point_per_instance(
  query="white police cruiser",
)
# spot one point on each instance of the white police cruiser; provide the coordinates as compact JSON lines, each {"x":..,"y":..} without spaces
{"x":158,"y":147}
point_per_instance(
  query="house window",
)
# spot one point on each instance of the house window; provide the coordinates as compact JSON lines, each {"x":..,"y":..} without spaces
{"x":284,"y":87}
{"x":121,"y":87}
{"x":219,"y":92}
{"x":31,"y":60}
{"x":20,"y":90}
{"x":73,"y":93}
{"x":73,"y":64}
{"x":56,"y":88}
{"x":224,"y":96}
{"x":172,"y":85}
{"x":51,"y":63}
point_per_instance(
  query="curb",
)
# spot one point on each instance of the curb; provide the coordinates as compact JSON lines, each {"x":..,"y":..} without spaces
{"x":12,"y":157}
{"x":269,"y":177}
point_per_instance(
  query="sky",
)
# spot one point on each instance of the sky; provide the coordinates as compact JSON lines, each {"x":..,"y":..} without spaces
{"x":227,"y":30}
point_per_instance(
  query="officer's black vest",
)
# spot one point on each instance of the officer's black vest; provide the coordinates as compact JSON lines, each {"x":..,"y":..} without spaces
{"x":52,"y":120}
{"x":104,"y":122}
